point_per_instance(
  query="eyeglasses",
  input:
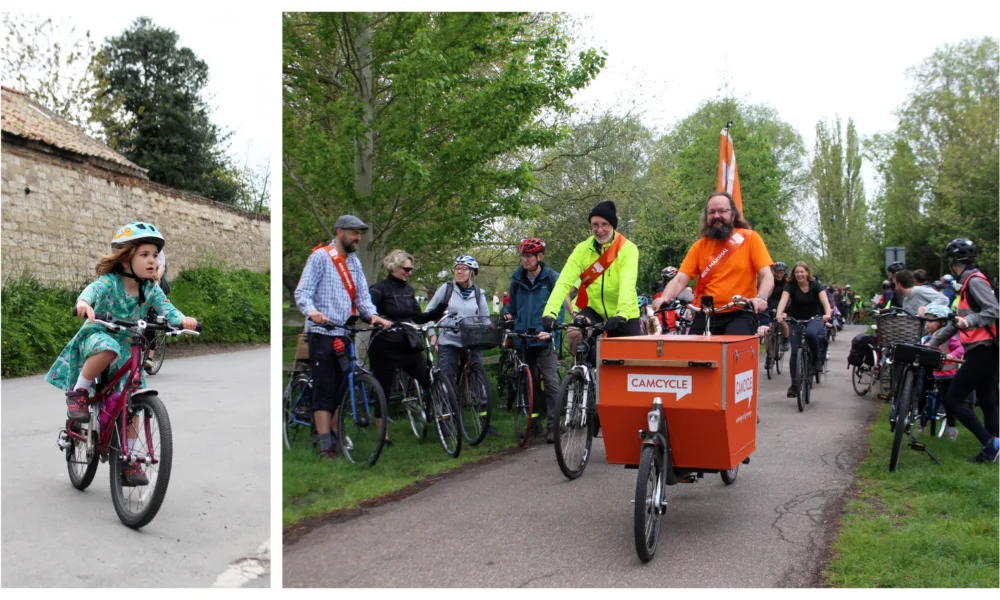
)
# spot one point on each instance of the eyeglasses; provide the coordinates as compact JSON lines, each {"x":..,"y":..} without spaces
{"x":601,"y":226}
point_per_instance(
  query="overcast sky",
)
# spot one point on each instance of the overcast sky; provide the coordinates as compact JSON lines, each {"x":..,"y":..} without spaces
{"x":808,"y":60}
{"x":243,"y":54}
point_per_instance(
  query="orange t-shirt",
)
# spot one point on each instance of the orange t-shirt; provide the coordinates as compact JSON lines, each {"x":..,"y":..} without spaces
{"x":738,"y":276}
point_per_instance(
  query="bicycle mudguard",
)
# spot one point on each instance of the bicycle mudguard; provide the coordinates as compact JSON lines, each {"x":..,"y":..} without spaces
{"x":143,"y":391}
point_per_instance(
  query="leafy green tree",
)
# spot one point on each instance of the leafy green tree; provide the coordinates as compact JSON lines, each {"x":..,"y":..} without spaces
{"x":415,"y":121}
{"x":840,"y":197}
{"x":152,"y":112}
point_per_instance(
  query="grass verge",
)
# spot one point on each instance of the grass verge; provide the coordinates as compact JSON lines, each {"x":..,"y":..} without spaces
{"x":926,"y":525}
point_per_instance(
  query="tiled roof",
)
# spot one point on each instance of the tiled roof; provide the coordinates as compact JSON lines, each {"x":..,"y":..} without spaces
{"x":28,"y":119}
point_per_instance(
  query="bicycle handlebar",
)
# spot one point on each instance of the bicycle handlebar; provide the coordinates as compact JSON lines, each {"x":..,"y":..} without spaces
{"x":114,"y":323}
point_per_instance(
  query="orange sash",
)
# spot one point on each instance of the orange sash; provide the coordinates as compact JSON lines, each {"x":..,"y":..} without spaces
{"x":734,"y":243}
{"x":595,"y":270}
{"x":340,"y":263}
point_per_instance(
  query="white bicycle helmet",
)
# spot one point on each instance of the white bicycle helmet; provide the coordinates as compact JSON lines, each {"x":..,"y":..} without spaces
{"x":937,"y":312}
{"x":139,"y":232}
{"x":469,"y":262}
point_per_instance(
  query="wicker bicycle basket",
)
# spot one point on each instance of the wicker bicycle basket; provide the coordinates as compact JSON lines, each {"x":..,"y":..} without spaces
{"x":899,"y":329}
{"x":480,"y":336}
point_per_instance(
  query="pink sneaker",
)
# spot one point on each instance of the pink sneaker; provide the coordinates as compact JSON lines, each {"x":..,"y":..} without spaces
{"x":77,"y":409}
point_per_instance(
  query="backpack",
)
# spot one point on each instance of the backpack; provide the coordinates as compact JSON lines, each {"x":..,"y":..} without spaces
{"x":451,"y":290}
{"x":861,"y":351}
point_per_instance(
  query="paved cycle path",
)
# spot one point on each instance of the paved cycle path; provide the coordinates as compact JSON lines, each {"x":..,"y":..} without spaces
{"x":216,"y":516}
{"x":518,"y":522}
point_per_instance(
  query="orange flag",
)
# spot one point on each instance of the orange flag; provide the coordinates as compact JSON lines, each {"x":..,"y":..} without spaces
{"x":728,"y":179}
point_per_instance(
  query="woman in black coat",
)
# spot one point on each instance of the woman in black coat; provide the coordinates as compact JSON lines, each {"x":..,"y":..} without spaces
{"x":395,"y":300}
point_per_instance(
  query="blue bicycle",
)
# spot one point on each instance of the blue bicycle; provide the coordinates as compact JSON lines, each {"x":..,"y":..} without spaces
{"x":361,"y":419}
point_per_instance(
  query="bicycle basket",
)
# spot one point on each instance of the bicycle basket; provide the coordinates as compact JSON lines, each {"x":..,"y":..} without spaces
{"x":899,"y":328}
{"x":479,"y":336}
{"x":925,"y":356}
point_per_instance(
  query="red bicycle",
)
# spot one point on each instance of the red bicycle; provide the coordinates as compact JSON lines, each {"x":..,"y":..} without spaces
{"x":119,"y":414}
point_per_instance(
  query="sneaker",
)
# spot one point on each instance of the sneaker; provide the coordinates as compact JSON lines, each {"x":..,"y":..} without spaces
{"x":793,"y":391}
{"x":327,"y":454}
{"x":77,"y":406}
{"x":134,"y":476}
{"x":550,"y":436}
{"x":148,"y":364}
{"x":952,"y":433}
{"x":920,"y":429}
{"x":987,"y":455}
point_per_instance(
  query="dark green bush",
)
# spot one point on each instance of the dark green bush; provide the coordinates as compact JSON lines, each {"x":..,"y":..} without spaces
{"x":234,"y":306}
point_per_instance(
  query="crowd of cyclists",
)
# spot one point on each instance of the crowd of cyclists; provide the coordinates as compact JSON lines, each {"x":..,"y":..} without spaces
{"x":597,"y":284}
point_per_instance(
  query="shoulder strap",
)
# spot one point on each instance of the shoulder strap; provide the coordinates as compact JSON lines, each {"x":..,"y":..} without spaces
{"x":479,"y":297}
{"x":449,"y":290}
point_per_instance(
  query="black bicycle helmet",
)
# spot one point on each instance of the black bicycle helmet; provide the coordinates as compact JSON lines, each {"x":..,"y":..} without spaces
{"x":961,"y":250}
{"x":896,"y":267}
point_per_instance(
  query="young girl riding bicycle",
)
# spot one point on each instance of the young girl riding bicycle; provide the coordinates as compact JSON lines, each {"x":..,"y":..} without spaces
{"x":124,"y":288}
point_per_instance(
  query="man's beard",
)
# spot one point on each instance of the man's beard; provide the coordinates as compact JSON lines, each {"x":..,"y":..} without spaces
{"x":349,"y":248}
{"x":720,"y":233}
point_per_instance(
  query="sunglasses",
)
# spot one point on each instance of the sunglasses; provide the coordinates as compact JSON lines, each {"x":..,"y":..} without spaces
{"x":406,"y":269}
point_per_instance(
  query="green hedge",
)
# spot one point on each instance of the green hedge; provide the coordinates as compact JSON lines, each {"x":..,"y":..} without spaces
{"x":233,"y":305}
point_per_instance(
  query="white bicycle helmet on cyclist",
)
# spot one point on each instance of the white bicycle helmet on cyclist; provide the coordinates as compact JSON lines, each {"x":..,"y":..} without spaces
{"x":469,"y":262}
{"x":138,"y":232}
{"x":938,"y":312}
{"x":668,"y":273}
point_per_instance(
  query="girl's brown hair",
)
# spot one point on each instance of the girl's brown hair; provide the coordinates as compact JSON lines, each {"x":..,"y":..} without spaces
{"x":112,"y":262}
{"x":803,"y":264}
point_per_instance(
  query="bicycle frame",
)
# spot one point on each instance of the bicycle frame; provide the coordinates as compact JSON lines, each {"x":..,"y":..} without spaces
{"x":130,"y":371}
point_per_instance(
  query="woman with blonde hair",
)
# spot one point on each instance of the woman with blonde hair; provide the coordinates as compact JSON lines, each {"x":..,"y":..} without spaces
{"x":805,"y":298}
{"x":394,"y":299}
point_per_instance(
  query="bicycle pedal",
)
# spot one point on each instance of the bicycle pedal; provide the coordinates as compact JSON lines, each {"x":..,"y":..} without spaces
{"x":688,"y":480}
{"x":918,"y":446}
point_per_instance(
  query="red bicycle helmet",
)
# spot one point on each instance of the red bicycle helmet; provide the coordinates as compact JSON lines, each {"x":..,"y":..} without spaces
{"x":531,"y":246}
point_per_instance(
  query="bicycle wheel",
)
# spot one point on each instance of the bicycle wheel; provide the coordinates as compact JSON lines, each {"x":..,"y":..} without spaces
{"x":505,"y":379}
{"x":902,"y":420}
{"x":81,"y":468}
{"x":648,"y":491}
{"x":861,"y":379}
{"x":573,"y":433}
{"x":154,"y":450}
{"x":416,"y":408}
{"x":803,"y":377}
{"x":362,"y":423}
{"x":296,"y":407}
{"x":729,"y":477}
{"x":523,"y":404}
{"x":477,"y":406}
{"x":446,"y":416}
{"x":160,"y":349}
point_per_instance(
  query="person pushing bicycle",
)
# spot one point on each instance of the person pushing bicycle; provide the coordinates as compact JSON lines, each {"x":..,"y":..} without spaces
{"x":332,"y":288}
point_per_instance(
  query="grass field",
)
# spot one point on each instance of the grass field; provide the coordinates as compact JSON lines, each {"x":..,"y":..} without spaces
{"x":924,"y":525}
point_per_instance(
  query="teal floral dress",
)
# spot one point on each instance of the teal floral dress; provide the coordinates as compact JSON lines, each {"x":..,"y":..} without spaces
{"x":108,"y":294}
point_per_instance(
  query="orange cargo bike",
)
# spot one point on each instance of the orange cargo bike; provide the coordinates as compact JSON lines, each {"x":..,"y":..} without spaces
{"x":677,"y":407}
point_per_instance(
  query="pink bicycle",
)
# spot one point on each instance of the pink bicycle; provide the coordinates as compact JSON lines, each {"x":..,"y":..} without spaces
{"x":119,"y":414}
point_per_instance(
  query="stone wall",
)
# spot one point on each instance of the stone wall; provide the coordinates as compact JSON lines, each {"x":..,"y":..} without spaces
{"x":59,"y":215}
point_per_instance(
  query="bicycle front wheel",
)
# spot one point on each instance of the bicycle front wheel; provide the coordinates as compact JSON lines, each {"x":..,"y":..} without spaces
{"x":573,"y":434}
{"x":803,"y":377}
{"x":523,"y":404}
{"x":159,"y":352}
{"x":154,"y":452}
{"x":477,"y":406}
{"x":416,"y":408}
{"x":648,"y":495}
{"x":505,"y":379}
{"x":447,"y":418}
{"x":902,"y":420}
{"x":361,"y":421}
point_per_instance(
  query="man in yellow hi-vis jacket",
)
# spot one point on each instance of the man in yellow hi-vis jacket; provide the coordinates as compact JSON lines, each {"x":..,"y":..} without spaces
{"x":606,"y":265}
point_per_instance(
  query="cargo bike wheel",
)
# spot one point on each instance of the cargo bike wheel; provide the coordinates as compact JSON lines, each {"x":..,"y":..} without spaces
{"x":650,"y":505}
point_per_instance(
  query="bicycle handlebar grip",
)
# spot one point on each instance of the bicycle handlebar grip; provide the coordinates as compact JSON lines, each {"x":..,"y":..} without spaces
{"x":104,"y":316}
{"x":199,"y":327}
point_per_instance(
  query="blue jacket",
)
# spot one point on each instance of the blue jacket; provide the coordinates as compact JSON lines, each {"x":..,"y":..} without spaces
{"x":527,"y":300}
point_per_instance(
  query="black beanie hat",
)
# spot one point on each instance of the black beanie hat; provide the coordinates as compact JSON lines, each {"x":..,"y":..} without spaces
{"x":606,"y":210}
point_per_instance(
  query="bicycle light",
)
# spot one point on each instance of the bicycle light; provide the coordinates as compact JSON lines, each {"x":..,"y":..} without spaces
{"x":653,"y":417}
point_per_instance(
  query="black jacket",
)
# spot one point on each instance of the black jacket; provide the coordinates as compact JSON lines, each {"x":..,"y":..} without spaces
{"x":395,"y":300}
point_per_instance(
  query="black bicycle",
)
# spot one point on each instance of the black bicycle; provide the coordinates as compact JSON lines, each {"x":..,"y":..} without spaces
{"x":775,"y":347}
{"x":576,"y":420}
{"x":804,"y":362}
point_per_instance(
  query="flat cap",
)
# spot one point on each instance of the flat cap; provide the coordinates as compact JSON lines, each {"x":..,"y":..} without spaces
{"x":350,"y":222}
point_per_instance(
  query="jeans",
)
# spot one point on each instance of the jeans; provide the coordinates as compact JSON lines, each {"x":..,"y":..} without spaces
{"x":815,"y":337}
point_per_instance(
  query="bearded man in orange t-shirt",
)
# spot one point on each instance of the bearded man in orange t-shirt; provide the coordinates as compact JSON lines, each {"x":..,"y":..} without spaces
{"x":727,"y":260}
